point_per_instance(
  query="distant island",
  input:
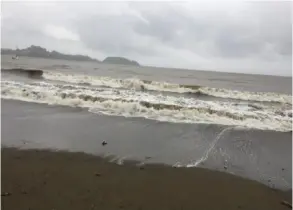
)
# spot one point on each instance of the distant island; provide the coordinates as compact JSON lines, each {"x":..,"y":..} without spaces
{"x":40,"y":52}
{"x":120,"y":60}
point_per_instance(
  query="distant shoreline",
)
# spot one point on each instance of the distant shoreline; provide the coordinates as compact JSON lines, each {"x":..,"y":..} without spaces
{"x":6,"y":51}
{"x":40,"y":52}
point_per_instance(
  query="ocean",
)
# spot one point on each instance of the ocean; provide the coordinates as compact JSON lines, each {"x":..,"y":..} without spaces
{"x":237,"y":123}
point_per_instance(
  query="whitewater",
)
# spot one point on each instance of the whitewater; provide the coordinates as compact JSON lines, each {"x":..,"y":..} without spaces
{"x":155,"y":100}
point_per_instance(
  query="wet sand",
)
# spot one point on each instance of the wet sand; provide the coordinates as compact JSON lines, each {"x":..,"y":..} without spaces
{"x":264,"y":156}
{"x":34,"y":179}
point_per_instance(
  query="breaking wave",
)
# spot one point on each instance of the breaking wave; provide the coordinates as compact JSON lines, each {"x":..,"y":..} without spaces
{"x":146,"y":85}
{"x":138,"y":84}
{"x":132,"y":103}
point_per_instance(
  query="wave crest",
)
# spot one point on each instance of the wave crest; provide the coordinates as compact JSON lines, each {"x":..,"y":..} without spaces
{"x":163,"y":108}
{"x":142,"y":85}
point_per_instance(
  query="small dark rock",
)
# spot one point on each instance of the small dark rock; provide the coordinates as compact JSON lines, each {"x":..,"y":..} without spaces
{"x":225,"y":167}
{"x":239,"y":207}
{"x":141,"y":168}
{"x":97,"y":174}
{"x":5,"y":194}
{"x":269,"y":180}
{"x":104,"y":143}
{"x":283,"y":169}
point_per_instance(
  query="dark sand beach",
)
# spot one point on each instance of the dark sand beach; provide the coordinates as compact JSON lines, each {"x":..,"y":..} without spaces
{"x":264,"y":156}
{"x":35,"y":179}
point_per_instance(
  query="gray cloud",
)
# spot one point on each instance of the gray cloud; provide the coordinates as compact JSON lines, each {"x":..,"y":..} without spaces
{"x":230,"y":36}
{"x":240,"y":37}
{"x":113,"y":35}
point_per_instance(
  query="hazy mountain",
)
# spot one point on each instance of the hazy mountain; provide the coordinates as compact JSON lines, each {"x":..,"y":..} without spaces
{"x":37,"y":51}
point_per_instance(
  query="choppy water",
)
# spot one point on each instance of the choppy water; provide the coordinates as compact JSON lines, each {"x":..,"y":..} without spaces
{"x":237,"y":123}
{"x":49,"y":82}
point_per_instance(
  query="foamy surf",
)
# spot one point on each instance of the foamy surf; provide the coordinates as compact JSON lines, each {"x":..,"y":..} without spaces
{"x":131,"y":103}
{"x":138,"y":84}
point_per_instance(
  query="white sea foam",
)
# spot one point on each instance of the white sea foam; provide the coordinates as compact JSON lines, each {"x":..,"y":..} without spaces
{"x":208,"y":151}
{"x":131,"y":103}
{"x":137,"y":84}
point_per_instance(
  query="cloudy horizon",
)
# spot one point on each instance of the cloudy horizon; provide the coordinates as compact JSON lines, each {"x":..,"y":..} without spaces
{"x":241,"y":37}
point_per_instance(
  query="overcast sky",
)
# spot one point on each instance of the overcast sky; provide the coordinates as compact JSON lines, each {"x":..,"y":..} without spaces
{"x":232,"y":36}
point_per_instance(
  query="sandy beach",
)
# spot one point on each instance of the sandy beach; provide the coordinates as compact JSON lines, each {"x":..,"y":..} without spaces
{"x":146,"y":106}
{"x":175,"y":139}
{"x":40,"y":179}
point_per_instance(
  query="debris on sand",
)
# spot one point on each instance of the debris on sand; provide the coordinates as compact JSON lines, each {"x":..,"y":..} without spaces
{"x":104,"y":143}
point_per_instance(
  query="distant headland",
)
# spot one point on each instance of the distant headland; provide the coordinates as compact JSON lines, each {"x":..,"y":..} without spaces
{"x":120,"y":60}
{"x":40,"y":52}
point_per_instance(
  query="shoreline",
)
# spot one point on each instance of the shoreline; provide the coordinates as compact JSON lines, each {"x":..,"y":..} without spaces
{"x":251,"y":154}
{"x":44,"y":179}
